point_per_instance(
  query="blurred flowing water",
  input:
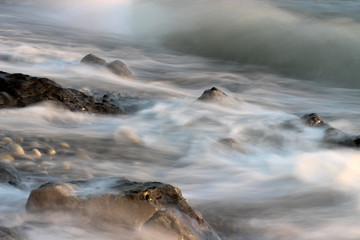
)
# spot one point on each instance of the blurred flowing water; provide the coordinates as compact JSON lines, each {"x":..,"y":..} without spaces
{"x":249,"y":165}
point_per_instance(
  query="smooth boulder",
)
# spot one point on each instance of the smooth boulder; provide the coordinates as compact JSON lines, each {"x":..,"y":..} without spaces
{"x":124,"y":203}
{"x":93,"y":60}
{"x":332,"y":135}
{"x":20,"y":90}
{"x":117,"y":67}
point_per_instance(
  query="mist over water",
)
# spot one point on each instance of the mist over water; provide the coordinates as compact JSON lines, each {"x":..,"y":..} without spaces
{"x":298,"y":39}
{"x":249,"y":164}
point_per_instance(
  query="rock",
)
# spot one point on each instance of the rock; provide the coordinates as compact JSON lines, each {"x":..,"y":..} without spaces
{"x":124,"y":203}
{"x":17,"y":149}
{"x":19,"y":139}
{"x":212,"y":95}
{"x":7,"y":140}
{"x":9,"y":175}
{"x":64,"y":145}
{"x":332,"y":135}
{"x":119,"y":68}
{"x":35,"y":153}
{"x":93,"y":60}
{"x":26,"y":90}
{"x":9,"y":234}
{"x":7,"y":157}
{"x":314,"y":120}
{"x":51,"y":151}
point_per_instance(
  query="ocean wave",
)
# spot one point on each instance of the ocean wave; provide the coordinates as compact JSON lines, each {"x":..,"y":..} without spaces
{"x":257,"y":33}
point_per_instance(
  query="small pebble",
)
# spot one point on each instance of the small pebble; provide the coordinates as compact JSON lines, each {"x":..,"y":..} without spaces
{"x":7,"y":157}
{"x":52,"y":151}
{"x":17,"y":149}
{"x":66,"y":165}
{"x":35,"y":153}
{"x":19,"y":140}
{"x":64,"y":145}
{"x":7,"y":140}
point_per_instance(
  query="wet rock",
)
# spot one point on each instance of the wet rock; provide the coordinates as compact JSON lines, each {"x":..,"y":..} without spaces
{"x":51,"y":151}
{"x":9,"y":175}
{"x":26,"y":90}
{"x":35,"y":153}
{"x":93,"y":60}
{"x":64,"y":145}
{"x":117,"y":67}
{"x":7,"y":157}
{"x":9,"y":234}
{"x":332,"y":135}
{"x":212,"y":95}
{"x":314,"y":120}
{"x":125,"y":203}
{"x":7,"y":140}
{"x":17,"y":149}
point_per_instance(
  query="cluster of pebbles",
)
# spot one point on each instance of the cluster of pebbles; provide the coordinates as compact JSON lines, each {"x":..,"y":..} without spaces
{"x":40,"y":155}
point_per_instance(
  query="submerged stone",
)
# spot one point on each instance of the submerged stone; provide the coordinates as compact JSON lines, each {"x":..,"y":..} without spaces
{"x":117,"y":67}
{"x":121,"y":202}
{"x":332,"y":135}
{"x":93,"y":60}
{"x":212,"y":95}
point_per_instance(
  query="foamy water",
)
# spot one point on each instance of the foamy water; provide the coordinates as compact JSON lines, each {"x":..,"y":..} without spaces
{"x":274,"y":178}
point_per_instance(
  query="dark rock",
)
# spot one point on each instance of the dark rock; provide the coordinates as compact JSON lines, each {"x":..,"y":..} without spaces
{"x":9,"y":175}
{"x":121,"y":202}
{"x":19,"y":90}
{"x":93,"y":60}
{"x":332,"y":135}
{"x":9,"y":234}
{"x":212,"y":95}
{"x":314,"y":120}
{"x":117,"y":67}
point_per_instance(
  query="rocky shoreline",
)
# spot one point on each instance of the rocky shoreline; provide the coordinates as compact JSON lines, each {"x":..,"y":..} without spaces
{"x":119,"y":202}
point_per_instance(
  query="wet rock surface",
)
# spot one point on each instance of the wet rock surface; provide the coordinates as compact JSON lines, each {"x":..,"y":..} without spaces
{"x":9,"y":175}
{"x":117,"y":67}
{"x":213,"y":95}
{"x":121,"y":202}
{"x":20,"y":90}
{"x":9,"y":234}
{"x":332,"y":135}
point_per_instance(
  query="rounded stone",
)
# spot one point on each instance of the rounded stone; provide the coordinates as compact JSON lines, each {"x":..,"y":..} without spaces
{"x":35,"y":153}
{"x":64,"y":145}
{"x":17,"y":149}
{"x":7,"y":140}
{"x":51,"y":151}
{"x":7,"y":157}
{"x":19,"y":140}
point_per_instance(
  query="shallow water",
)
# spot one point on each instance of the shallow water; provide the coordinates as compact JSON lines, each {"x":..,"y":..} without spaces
{"x":274,"y":179}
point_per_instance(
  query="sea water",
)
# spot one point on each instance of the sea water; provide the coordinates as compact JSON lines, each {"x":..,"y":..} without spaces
{"x":249,"y":165}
